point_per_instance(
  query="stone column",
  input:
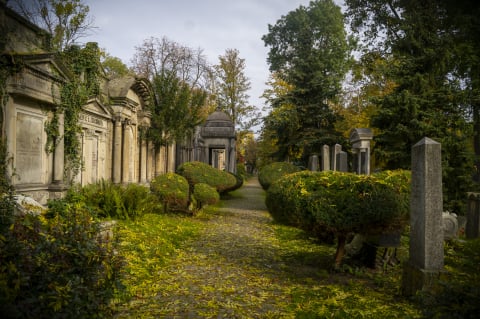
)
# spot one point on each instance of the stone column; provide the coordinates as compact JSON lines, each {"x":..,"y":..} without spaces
{"x":150,"y":152}
{"x":117,"y":151}
{"x":143,"y":160}
{"x":59,"y":156}
{"x":426,"y":205}
{"x":126,"y":154}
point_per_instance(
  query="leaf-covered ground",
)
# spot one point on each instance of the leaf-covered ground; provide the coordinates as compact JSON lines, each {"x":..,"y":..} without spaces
{"x":234,"y":262}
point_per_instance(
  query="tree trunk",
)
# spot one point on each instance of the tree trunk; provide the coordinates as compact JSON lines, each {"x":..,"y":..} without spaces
{"x":340,"y":250}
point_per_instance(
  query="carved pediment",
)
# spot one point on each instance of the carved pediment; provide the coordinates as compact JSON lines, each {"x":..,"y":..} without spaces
{"x":95,"y":107}
{"x":49,"y":64}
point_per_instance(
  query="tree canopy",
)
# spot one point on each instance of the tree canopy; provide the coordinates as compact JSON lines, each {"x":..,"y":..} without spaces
{"x":310,"y":50}
{"x":66,"y":20}
{"x":428,"y":45}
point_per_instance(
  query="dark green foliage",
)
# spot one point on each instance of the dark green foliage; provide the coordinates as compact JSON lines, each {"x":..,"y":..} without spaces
{"x":205,"y":194}
{"x":172,"y":189}
{"x":198,"y":172}
{"x":57,"y":268}
{"x":340,"y":203}
{"x":309,"y":49}
{"x":274,"y":171}
{"x":178,"y":109}
{"x":433,"y":55}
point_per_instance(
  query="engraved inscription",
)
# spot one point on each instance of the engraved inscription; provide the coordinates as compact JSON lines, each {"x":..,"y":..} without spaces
{"x":28,"y":153}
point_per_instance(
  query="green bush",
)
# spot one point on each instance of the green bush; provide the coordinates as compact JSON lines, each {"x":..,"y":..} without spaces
{"x":115,"y":201}
{"x":172,"y":189}
{"x":58,"y":267}
{"x":205,"y":194}
{"x":139,"y":200}
{"x":198,"y":172}
{"x":340,"y":203}
{"x":272,"y":172}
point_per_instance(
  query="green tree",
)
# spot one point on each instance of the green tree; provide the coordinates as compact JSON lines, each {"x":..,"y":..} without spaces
{"x":113,"y":66}
{"x":310,"y":50}
{"x":66,"y":20}
{"x":181,"y":80}
{"x":420,"y":40}
{"x":232,"y":87}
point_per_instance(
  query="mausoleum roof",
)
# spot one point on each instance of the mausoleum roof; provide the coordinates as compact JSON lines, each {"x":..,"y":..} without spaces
{"x":218,"y":119}
{"x":218,"y":124}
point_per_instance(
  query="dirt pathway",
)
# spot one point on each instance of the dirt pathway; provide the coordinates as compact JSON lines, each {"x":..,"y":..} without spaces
{"x":241,"y":266}
{"x":230,"y":272}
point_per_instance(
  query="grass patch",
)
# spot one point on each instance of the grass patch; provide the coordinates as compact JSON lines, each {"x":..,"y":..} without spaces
{"x":149,"y":244}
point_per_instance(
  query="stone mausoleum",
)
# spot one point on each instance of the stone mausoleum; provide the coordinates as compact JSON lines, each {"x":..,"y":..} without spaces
{"x":112,"y":123}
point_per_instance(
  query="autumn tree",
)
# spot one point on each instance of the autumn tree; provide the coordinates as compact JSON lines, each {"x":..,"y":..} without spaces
{"x":310,"y":50}
{"x":422,"y":41}
{"x":232,"y":86}
{"x":281,"y":124}
{"x":66,"y":20}
{"x":182,"y":81}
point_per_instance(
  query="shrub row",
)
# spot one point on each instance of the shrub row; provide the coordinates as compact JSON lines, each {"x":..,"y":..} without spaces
{"x":196,"y":184}
{"x":339,"y":203}
{"x":274,"y":171}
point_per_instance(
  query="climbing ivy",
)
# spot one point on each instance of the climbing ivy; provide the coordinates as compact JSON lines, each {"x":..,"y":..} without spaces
{"x":84,"y":65}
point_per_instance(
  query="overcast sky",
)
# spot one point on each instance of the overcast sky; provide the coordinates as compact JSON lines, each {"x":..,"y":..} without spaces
{"x":212,"y":25}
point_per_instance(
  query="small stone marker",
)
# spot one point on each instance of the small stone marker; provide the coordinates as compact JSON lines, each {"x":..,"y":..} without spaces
{"x":325,"y":164}
{"x":336,"y":149}
{"x":472,"y":228}
{"x":313,"y":163}
{"x":426,"y":223}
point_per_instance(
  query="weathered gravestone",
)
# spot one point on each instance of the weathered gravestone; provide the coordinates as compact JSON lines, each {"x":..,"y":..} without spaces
{"x":426,"y":259}
{"x":325,"y":158}
{"x":313,"y":163}
{"x":472,"y":227}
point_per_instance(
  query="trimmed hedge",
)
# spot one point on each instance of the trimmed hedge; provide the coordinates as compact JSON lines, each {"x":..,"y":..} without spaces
{"x":205,"y":194}
{"x":340,"y":203}
{"x":172,"y":189}
{"x":198,"y":172}
{"x":274,"y":171}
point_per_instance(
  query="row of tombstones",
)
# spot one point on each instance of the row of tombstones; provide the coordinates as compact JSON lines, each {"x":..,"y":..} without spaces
{"x":330,"y":159}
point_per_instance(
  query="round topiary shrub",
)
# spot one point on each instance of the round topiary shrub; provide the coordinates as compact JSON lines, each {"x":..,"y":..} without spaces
{"x":341,"y":203}
{"x":272,"y":172}
{"x":198,"y":172}
{"x":172,"y":189}
{"x":205,"y":194}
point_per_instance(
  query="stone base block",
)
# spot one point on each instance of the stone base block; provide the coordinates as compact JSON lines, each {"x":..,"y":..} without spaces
{"x":415,"y":279}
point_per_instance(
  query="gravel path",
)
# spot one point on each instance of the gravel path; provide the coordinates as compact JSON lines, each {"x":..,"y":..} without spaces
{"x":232,"y":271}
